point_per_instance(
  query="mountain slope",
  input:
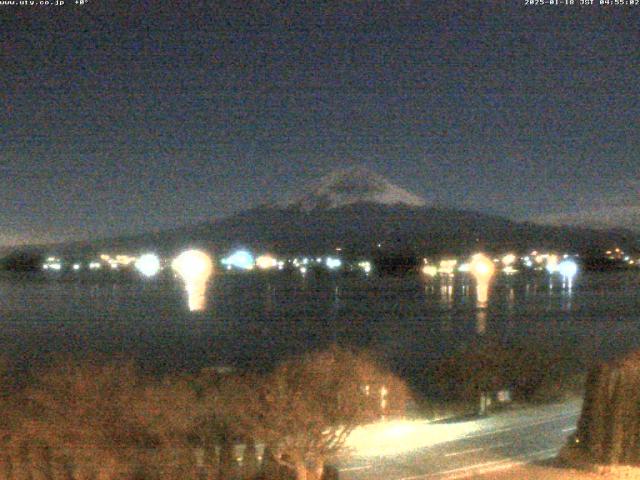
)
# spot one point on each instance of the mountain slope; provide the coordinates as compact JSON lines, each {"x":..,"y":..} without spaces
{"x":358,"y":229}
{"x":361,"y":227}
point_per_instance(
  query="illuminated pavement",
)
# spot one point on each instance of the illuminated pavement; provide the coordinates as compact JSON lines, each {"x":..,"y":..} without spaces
{"x":420,"y":450}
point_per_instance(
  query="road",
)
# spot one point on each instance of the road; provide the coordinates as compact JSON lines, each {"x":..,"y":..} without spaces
{"x":447,"y":451}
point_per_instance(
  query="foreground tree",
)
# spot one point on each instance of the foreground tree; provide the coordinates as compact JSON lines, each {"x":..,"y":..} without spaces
{"x":93,"y":420}
{"x":169,"y":411}
{"x":228,"y":401}
{"x":103,"y":421}
{"x":307,"y":407}
{"x":609,"y":426}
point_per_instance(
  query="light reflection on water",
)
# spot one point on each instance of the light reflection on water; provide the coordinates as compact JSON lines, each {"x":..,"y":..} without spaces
{"x":257,"y":319}
{"x":481,"y":321}
{"x":194,"y":267}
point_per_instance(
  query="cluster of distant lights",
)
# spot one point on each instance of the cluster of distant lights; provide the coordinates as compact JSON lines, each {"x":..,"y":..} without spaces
{"x":244,"y":260}
{"x":53,"y":263}
{"x":193,"y":267}
{"x":150,"y":264}
{"x":107,"y":261}
{"x":620,"y":255}
{"x":552,"y":263}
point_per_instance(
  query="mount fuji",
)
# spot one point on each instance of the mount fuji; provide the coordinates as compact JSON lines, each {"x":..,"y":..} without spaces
{"x":364,"y":213}
{"x":354,"y":185}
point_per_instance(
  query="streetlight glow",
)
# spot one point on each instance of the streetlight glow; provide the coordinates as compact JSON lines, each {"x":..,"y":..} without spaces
{"x":568,"y":270}
{"x":333,"y":263}
{"x":430,"y":270}
{"x":552,"y":263}
{"x":195,"y":268}
{"x":241,"y":259}
{"x":508,"y":259}
{"x":447,"y":266}
{"x":365,"y":266}
{"x":148,"y":264}
{"x":482,"y":268}
{"x":266,"y":262}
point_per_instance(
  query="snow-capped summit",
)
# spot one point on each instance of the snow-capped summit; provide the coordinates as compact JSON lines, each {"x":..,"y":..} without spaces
{"x":355,"y":185}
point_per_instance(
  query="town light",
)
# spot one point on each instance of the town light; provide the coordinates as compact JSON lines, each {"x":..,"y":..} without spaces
{"x":266,"y":262}
{"x":447,"y":266}
{"x":333,"y":263}
{"x":365,"y":266}
{"x":482,"y":268}
{"x":430,"y":270}
{"x":195,"y":268}
{"x":148,"y":264}
{"x":508,"y":259}
{"x":125,"y":259}
{"x":552,"y":263}
{"x":240,"y":259}
{"x":568,"y":269}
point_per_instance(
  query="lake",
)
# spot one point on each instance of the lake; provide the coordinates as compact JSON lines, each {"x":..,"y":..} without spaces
{"x":254,"y":320}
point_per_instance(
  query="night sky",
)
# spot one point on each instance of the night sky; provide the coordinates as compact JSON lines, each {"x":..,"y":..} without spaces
{"x":120,"y":119}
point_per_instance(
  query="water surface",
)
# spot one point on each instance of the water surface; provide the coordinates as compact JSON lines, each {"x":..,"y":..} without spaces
{"x":255,"y":320}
